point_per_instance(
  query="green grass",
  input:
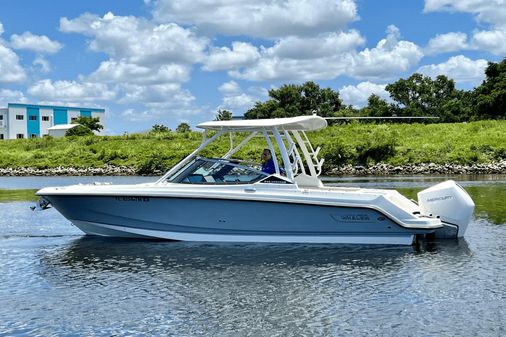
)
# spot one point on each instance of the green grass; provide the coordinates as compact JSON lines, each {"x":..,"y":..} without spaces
{"x":354,"y":143}
{"x":400,"y":144}
{"x":17,"y":195}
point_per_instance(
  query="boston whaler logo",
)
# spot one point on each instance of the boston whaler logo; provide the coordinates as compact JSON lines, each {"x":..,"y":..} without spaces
{"x":351,"y":217}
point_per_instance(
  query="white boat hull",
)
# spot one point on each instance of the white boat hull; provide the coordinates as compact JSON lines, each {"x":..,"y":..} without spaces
{"x":240,"y":215}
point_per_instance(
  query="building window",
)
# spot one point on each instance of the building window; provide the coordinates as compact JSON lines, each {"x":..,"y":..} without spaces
{"x":20,"y":135}
{"x":1,"y":136}
{"x":45,"y":118}
{"x":1,"y":117}
{"x":33,"y":135}
{"x":32,"y":117}
{"x":20,"y":117}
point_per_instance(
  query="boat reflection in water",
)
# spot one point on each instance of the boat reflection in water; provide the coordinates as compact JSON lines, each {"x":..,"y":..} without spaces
{"x":230,"y":289}
{"x":127,"y":256}
{"x":226,"y":199}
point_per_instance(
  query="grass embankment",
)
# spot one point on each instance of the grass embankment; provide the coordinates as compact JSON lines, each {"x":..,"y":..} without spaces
{"x":354,"y":143}
{"x":17,"y":195}
{"x":402,"y":144}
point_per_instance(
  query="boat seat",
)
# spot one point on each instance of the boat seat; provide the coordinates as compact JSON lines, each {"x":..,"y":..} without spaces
{"x":303,"y":180}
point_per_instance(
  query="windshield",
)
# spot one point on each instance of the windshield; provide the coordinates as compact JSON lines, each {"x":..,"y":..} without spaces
{"x":216,"y":171}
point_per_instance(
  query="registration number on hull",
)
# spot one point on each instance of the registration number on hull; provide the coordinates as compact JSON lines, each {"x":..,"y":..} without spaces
{"x":134,"y":199}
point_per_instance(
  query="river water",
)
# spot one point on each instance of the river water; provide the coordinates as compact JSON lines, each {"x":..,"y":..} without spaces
{"x":56,"y":282}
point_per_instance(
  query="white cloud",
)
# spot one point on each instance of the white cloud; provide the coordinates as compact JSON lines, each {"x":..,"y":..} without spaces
{"x":259,"y":18}
{"x":71,"y":91}
{"x":324,"y":45}
{"x":134,"y":115}
{"x":36,"y":43}
{"x":161,"y":102}
{"x":147,"y":61}
{"x":489,"y":11}
{"x":238,"y":104}
{"x":389,"y":58}
{"x":42,"y":64}
{"x":112,"y":71}
{"x":234,"y":99}
{"x":159,"y":113}
{"x":329,"y":60}
{"x":459,"y":68}
{"x":270,"y":68}
{"x":10,"y":69}
{"x":137,"y":40}
{"x":492,"y":12}
{"x":443,"y":43}
{"x":325,"y":56}
{"x":357,"y":95}
{"x":493,"y":41}
{"x":11,"y":96}
{"x":155,"y":115}
{"x":242,"y":54}
{"x":158,"y":95}
{"x":230,"y":88}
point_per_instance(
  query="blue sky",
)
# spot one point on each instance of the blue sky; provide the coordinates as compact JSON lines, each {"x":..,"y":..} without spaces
{"x":167,"y":61}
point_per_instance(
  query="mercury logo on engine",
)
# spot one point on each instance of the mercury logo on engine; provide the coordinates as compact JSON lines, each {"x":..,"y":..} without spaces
{"x":446,"y":197}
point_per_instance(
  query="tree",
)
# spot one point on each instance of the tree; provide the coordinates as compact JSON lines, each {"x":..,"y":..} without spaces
{"x":420,"y":95}
{"x":223,"y":115}
{"x":490,"y":96}
{"x":79,"y":130}
{"x":183,"y":127}
{"x":377,"y":107}
{"x":325,"y":101}
{"x":92,"y":123}
{"x":159,"y":128}
{"x":346,"y":111}
{"x":295,"y":100}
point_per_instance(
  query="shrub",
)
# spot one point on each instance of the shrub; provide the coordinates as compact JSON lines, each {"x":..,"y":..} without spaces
{"x":154,"y":164}
{"x":500,"y":153}
{"x":159,"y":128}
{"x":335,"y":154}
{"x":183,"y":127}
{"x":378,"y":146}
{"x":79,"y":130}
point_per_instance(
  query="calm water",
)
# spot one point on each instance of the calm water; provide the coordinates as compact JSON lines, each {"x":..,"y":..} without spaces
{"x":56,"y":282}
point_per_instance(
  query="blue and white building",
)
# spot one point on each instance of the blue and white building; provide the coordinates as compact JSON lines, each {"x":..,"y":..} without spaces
{"x":32,"y":121}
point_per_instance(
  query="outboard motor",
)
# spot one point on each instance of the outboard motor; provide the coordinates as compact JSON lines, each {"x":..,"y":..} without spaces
{"x":451,"y":203}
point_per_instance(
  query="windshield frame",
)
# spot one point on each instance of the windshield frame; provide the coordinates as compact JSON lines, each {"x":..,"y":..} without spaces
{"x":188,"y":174}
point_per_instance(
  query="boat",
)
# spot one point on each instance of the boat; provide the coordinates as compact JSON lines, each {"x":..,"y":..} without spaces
{"x":226,"y":199}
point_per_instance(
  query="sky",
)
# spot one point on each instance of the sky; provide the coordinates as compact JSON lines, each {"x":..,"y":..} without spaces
{"x":171,"y":61}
